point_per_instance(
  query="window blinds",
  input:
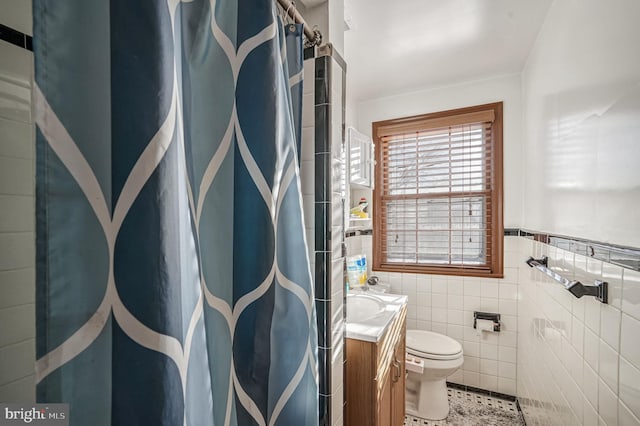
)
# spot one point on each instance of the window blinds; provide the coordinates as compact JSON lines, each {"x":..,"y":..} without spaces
{"x":436,"y":192}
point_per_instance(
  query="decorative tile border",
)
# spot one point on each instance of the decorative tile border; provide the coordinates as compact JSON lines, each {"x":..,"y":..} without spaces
{"x":466,"y":388}
{"x":322,"y":215}
{"x":626,"y":257}
{"x":309,"y":52}
{"x":16,"y":37}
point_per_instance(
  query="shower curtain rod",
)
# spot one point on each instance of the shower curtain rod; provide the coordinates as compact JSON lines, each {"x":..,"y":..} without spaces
{"x":314,"y":37}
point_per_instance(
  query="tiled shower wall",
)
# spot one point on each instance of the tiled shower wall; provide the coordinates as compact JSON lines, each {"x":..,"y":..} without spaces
{"x":321,"y":165}
{"x":578,"y":359}
{"x":17,"y":213}
{"x":307,"y":157}
{"x":336,"y":114}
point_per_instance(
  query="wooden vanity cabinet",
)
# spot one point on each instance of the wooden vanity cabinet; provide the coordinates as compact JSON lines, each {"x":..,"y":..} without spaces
{"x":375,"y":377}
{"x":398,"y":387}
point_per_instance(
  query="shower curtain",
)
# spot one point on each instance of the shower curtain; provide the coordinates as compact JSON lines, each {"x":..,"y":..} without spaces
{"x":173,"y":282}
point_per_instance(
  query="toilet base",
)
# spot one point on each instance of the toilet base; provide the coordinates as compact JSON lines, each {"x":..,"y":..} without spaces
{"x":433,"y":401}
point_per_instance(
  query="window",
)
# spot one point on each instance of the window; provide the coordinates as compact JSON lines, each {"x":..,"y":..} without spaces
{"x":438,"y":196}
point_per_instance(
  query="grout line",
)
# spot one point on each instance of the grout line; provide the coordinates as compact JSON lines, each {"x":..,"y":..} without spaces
{"x":622,"y":313}
{"x":13,"y":157}
{"x":23,"y":268}
{"x":24,"y":305}
{"x":17,"y":343}
{"x":16,"y":233}
{"x":3,"y":308}
{"x":17,"y":380}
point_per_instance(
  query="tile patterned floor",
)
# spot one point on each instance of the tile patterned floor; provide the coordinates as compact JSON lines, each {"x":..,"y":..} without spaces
{"x":473,"y":409}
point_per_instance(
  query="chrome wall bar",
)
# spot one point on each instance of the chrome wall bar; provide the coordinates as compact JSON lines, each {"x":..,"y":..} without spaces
{"x":599,"y":290}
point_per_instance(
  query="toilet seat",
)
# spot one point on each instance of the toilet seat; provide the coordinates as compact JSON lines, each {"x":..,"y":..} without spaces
{"x":434,"y":357}
{"x":430,"y":345}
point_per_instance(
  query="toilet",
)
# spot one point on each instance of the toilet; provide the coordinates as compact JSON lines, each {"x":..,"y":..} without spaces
{"x":431,"y":358}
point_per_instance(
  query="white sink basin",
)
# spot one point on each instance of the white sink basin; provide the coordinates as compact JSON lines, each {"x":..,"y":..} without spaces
{"x":362,"y":307}
{"x":369,"y":315}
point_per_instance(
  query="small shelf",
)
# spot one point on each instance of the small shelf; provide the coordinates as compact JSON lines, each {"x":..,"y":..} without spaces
{"x":359,"y":230}
{"x":359,"y":224}
{"x":359,"y":186}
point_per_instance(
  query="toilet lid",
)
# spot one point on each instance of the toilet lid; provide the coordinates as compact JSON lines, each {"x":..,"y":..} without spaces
{"x":432,"y":345}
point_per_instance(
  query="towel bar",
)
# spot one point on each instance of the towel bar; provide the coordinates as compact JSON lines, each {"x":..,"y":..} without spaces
{"x":599,"y":290}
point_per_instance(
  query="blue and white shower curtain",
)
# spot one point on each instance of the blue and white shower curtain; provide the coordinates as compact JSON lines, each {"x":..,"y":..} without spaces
{"x":173,"y":281}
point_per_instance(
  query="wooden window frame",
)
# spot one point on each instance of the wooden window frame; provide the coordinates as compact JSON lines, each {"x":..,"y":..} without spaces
{"x":386,"y":128}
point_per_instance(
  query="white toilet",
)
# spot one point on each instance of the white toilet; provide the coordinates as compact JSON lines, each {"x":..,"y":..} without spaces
{"x":431,"y":358}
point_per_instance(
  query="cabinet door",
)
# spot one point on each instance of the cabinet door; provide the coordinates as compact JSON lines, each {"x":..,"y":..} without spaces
{"x":361,"y":386}
{"x":398,"y":385}
{"x":360,"y":161}
{"x":385,"y":402}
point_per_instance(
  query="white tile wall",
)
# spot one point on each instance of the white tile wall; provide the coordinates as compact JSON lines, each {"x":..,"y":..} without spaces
{"x":570,"y":361}
{"x":307,"y":156}
{"x":337,"y":282}
{"x":445,"y":304}
{"x":17,"y":218}
{"x":17,"y":15}
{"x":578,"y":361}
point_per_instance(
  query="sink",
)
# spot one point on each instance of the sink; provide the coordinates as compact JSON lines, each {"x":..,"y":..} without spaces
{"x":369,"y":315}
{"x":362,"y":307}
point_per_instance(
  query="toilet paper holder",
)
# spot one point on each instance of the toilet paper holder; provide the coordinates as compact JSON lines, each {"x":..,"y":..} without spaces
{"x":487,"y":316}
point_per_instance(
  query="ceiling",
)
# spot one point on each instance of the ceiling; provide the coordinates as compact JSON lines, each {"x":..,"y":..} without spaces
{"x":400,"y":46}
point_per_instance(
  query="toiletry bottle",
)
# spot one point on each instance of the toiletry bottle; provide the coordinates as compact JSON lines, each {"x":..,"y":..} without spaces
{"x":353,"y":271}
{"x":364,"y":205}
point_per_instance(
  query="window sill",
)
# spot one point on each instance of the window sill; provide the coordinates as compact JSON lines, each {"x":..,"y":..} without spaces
{"x":438,"y":270}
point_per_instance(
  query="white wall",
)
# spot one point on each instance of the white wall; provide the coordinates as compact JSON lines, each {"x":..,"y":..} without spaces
{"x":505,"y":88}
{"x":17,"y":212}
{"x":579,"y":360}
{"x":581,"y":91}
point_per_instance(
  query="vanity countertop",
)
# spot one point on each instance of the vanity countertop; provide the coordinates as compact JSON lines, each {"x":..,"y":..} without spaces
{"x":371,"y":326}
